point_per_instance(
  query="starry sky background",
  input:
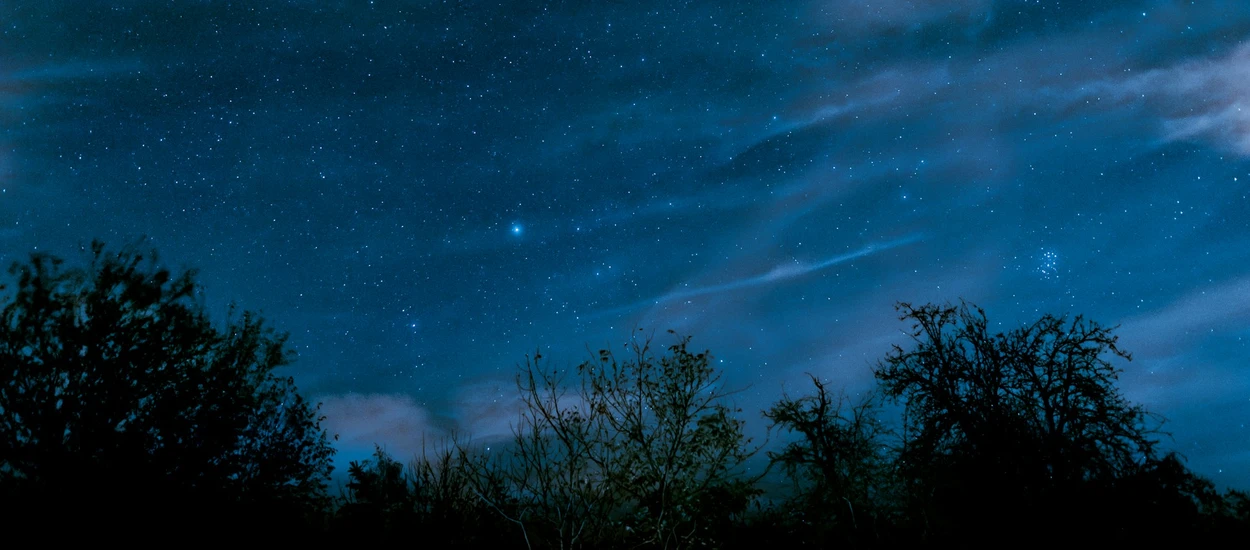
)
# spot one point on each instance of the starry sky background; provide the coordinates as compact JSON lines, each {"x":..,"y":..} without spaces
{"x":423,"y":192}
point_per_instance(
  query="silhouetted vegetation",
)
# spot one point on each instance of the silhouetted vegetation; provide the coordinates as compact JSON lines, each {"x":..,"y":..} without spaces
{"x":122,"y":405}
{"x":844,"y":488}
{"x":437,"y":497}
{"x":640,"y":451}
{"x":1007,"y":429}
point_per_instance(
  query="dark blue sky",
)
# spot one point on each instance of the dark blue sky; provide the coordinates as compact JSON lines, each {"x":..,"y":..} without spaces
{"x":422,"y":192}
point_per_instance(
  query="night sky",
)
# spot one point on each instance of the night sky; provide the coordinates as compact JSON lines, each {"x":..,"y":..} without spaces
{"x":423,"y":192}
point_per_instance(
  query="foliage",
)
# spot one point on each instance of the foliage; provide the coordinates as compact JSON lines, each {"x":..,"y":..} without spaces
{"x":641,"y":451}
{"x":113,"y":381}
{"x":556,"y":465}
{"x":379,"y":495}
{"x":672,"y":447}
{"x":839,"y":464}
{"x":435,"y":497}
{"x":1003,"y":423}
{"x":1003,"y":432}
{"x":116,"y":388}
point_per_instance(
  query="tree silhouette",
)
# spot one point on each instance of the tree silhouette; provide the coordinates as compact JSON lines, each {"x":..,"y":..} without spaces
{"x":122,"y":406}
{"x":435,"y":497}
{"x":1002,"y":426}
{"x":634,"y":452}
{"x":557,"y":463}
{"x":839,"y":466}
{"x":673,"y":449}
{"x":379,"y":499}
{"x":115,"y":386}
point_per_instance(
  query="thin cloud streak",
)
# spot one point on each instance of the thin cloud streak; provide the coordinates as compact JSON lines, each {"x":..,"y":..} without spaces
{"x":777,"y":274}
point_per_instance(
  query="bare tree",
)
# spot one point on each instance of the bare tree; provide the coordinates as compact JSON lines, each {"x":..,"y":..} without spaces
{"x":673,"y":448}
{"x":642,"y":451}
{"x":1006,"y":422}
{"x":557,"y":461}
{"x":839,"y":465}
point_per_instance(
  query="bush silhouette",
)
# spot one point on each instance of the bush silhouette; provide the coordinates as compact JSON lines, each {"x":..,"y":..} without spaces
{"x":123,"y":404}
{"x":437,"y":497}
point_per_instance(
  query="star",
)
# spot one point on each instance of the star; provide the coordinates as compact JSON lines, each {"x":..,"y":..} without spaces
{"x":745,"y":197}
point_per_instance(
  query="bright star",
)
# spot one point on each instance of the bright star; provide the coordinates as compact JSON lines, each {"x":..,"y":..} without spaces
{"x":517,"y":229}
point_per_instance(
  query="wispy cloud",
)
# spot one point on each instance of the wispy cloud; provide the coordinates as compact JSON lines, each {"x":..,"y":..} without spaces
{"x":483,"y":411}
{"x":1162,"y":332}
{"x":777,"y":274}
{"x":396,"y":422}
{"x":73,"y":70}
{"x":1205,"y":99}
{"x":1179,"y":362}
{"x":19,"y":86}
{"x":488,"y":409}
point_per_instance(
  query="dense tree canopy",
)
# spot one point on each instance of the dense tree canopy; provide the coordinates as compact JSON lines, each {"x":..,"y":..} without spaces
{"x":1009,"y":427}
{"x":1044,"y":390}
{"x":114,"y":381}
